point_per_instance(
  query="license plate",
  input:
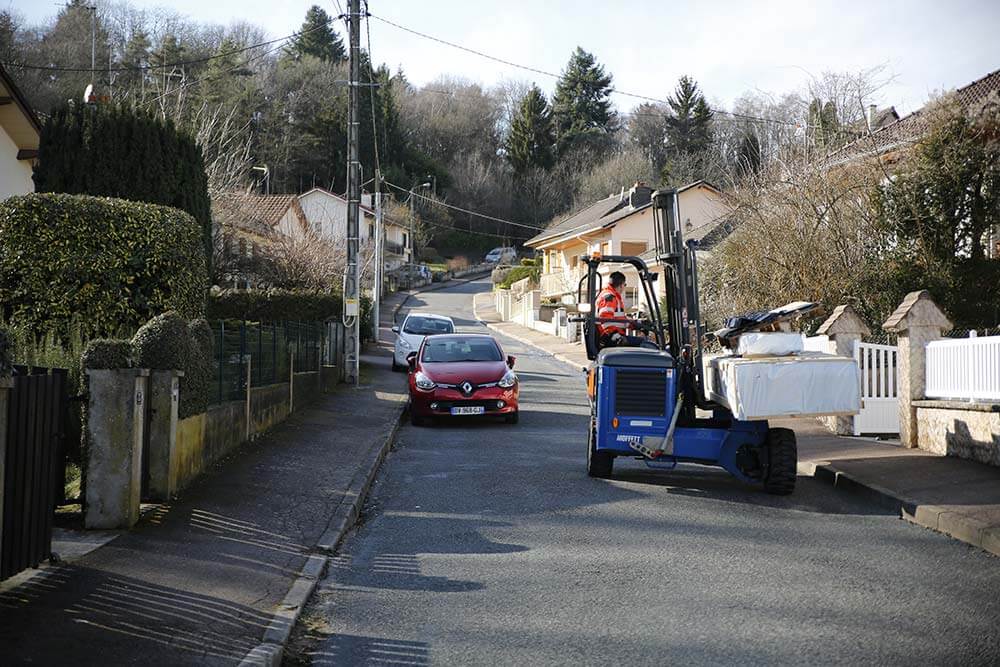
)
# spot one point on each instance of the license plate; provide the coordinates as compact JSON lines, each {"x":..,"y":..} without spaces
{"x":468,"y":410}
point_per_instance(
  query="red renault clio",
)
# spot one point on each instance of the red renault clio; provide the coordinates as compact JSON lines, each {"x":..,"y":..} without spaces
{"x":461,"y":374}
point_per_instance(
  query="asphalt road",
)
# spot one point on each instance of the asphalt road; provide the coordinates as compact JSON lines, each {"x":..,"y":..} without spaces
{"x":486,"y":543}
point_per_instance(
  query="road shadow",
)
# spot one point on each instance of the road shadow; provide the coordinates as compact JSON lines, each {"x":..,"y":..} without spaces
{"x":53,"y":617}
{"x":810,"y":495}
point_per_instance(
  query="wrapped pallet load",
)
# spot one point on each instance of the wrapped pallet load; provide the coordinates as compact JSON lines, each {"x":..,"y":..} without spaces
{"x":767,"y":374}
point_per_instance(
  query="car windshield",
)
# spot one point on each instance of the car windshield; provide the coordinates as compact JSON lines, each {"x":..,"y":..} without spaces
{"x":451,"y":350}
{"x":427,"y":326}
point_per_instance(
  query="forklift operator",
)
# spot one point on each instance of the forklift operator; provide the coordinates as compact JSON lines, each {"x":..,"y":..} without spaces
{"x":610,"y":304}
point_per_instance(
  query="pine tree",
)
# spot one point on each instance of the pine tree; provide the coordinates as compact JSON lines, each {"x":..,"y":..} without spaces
{"x":689,"y":126}
{"x":531,"y":137}
{"x":581,"y":105}
{"x":316,"y":38}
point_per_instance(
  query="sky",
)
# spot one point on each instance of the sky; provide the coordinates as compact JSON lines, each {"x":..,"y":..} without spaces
{"x":729,"y":47}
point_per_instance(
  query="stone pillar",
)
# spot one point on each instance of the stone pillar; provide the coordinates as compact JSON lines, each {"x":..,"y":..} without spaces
{"x":845,"y":328}
{"x":917,"y":321}
{"x":115,"y":416}
{"x":164,"y":393}
{"x":6,"y":383}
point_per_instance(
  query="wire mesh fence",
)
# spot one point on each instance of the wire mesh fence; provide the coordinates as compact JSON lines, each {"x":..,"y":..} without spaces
{"x":266,"y":348}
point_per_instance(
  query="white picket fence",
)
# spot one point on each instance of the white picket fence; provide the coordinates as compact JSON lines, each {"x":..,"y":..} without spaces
{"x":879,"y":366}
{"x":964,"y":368}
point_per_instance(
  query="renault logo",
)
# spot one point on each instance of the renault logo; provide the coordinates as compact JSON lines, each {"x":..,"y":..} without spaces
{"x":466,"y":388}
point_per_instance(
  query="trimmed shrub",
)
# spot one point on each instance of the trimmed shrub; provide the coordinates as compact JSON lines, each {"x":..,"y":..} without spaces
{"x":168,"y":342}
{"x":162,"y":343}
{"x":6,"y":362}
{"x":198,"y":372}
{"x":107,"y":353}
{"x":112,"y":262}
{"x":274,"y":305}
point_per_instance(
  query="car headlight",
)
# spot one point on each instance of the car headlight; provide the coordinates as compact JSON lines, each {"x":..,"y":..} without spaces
{"x":508,"y":380}
{"x":404,"y":343}
{"x":423,"y":382}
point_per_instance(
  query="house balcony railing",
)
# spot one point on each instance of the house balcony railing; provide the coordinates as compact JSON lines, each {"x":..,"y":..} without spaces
{"x":394,"y":248}
{"x":560,"y":281}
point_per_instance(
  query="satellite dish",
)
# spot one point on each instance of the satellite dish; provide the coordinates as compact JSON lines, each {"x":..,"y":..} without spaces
{"x":88,"y":92}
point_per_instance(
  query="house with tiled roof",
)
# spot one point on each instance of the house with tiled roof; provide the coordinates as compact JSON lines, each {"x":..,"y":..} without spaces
{"x":261,"y":217}
{"x":19,"y":135}
{"x":326,"y":213}
{"x":890,"y":139}
{"x":620,"y":224}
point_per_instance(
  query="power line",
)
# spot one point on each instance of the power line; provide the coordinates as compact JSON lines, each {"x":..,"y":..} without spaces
{"x":196,"y":61}
{"x":402,"y":223}
{"x":465,"y":210}
{"x":554,"y":75}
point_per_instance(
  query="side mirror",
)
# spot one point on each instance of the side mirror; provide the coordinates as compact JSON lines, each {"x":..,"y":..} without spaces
{"x":395,"y":329}
{"x":510,"y":361}
{"x":411,"y":359}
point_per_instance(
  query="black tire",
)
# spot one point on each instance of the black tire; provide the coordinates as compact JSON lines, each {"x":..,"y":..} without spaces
{"x":511,"y":417}
{"x":782,"y":455}
{"x":599,"y":464}
{"x":396,"y":368}
{"x":415,"y":419}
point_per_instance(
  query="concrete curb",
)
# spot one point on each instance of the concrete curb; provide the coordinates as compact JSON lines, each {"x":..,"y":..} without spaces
{"x":958,"y":526}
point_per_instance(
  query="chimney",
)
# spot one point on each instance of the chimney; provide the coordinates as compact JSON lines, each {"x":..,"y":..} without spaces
{"x":639,"y":195}
{"x":872,"y":111}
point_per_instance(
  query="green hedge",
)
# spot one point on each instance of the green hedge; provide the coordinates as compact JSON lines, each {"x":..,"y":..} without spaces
{"x":198,"y":373}
{"x":107,"y":353}
{"x":113,"y":151}
{"x":520,"y":273}
{"x":275,"y":305}
{"x":108,"y":263}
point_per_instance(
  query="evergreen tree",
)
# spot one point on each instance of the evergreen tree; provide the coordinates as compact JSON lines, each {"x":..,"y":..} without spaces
{"x":136,"y":55}
{"x":108,"y":151}
{"x":824,"y":126}
{"x":689,"y":126}
{"x":581,"y":105}
{"x":317,"y":38}
{"x":531,"y":137}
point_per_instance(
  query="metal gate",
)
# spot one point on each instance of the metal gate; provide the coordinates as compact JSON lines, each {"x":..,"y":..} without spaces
{"x":36,"y":421}
{"x":879,"y":388}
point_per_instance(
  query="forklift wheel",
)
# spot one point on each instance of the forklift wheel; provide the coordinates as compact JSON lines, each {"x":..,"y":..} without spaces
{"x":599,"y":464}
{"x":782,"y":456}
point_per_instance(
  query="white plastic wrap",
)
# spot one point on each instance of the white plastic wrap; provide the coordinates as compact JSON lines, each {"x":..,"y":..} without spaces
{"x":810,"y":384}
{"x":769,"y":344}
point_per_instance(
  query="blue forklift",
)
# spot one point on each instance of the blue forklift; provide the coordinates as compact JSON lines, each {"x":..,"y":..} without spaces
{"x":647,"y":398}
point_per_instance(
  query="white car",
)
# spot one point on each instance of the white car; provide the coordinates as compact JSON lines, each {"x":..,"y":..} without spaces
{"x":501,"y":256}
{"x":411,"y":333}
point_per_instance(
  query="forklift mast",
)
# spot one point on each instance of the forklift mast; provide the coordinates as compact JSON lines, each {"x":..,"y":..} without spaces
{"x":681,"y":276}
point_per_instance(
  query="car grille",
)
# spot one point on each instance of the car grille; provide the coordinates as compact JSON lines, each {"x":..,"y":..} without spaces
{"x":641,"y":393}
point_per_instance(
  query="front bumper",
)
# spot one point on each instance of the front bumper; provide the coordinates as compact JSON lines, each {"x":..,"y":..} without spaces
{"x":439,"y":402}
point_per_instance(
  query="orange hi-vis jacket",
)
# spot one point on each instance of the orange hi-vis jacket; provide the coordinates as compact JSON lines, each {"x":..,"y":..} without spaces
{"x":610,"y":304}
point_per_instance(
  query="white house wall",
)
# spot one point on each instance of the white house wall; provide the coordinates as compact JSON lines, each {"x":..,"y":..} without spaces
{"x":15,"y":175}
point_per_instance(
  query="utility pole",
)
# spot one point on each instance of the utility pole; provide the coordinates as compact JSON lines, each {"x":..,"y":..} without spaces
{"x":379,"y":258}
{"x":93,"y":42}
{"x":352,"y":310}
